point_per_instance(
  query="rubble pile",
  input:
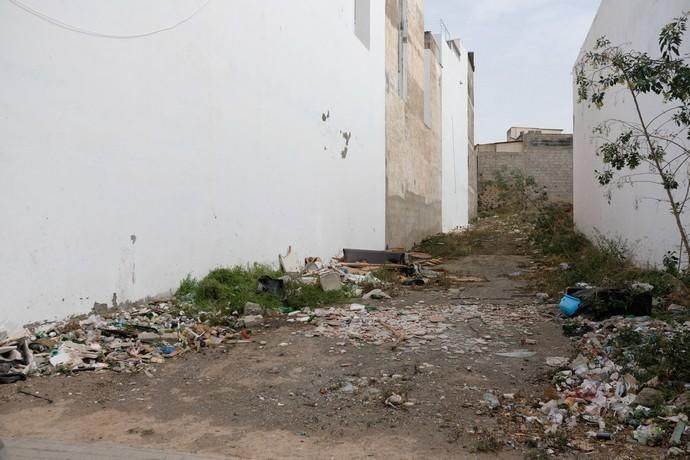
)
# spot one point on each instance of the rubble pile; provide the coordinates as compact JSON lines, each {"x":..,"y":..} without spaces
{"x":452,"y":328}
{"x":120,"y":340}
{"x":599,"y":389}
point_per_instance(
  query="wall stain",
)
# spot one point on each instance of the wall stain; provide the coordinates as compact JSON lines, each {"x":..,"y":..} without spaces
{"x":133,"y":237}
{"x":325,"y":116}
{"x":346,"y":135}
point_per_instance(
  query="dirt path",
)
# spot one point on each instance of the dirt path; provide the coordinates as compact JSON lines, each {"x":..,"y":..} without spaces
{"x":295,"y":393}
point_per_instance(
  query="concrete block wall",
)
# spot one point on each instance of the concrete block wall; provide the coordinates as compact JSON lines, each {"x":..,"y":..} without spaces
{"x":548,"y":158}
{"x":413,"y":149}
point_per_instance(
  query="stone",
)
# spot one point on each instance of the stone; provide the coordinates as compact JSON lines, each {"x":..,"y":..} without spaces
{"x":557,"y":361}
{"x":682,"y":402}
{"x":542,"y":296}
{"x":252,"y":320}
{"x":357,"y":307}
{"x":347,"y":388}
{"x":252,"y":309}
{"x":675,"y":308}
{"x":517,"y":354}
{"x":394,"y":400}
{"x":372,"y":393}
{"x":564,"y":266}
{"x":330,"y":281}
{"x":376,"y":294}
{"x":675,"y":452}
{"x":649,"y":397}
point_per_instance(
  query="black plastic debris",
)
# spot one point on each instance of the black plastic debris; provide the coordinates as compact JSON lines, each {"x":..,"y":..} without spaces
{"x":11,"y":377}
{"x":271,"y":286}
{"x":600,"y":303}
{"x":373,"y":257}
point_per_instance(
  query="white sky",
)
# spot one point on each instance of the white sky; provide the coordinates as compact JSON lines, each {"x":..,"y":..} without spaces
{"x":524,"y":53}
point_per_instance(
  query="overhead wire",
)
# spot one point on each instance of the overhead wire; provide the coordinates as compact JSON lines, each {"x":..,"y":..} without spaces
{"x":64,"y":25}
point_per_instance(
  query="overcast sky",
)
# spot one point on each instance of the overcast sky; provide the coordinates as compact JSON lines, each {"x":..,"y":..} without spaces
{"x":524,"y":53}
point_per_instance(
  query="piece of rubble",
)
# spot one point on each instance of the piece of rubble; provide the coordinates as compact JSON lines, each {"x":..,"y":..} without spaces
{"x":330,"y":281}
{"x":251,"y":320}
{"x":675,"y":452}
{"x":376,"y":294}
{"x":649,"y":397}
{"x":682,"y":402}
{"x":557,"y":361}
{"x":490,"y":400}
{"x":678,"y":432}
{"x":357,"y":307}
{"x":252,"y":309}
{"x":394,"y":400}
{"x":516,"y":354}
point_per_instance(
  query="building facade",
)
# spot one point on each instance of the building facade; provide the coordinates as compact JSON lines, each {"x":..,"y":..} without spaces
{"x":635,"y":213}
{"x":430,"y":163}
{"x":545,"y":155}
{"x":142,"y":142}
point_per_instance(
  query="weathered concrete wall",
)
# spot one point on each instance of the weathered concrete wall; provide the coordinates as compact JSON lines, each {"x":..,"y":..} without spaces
{"x":637,"y":213}
{"x":127,"y":163}
{"x":413,"y":149}
{"x":546,"y":157}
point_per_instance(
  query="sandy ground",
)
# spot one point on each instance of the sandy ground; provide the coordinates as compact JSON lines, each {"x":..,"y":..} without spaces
{"x":302,"y":396}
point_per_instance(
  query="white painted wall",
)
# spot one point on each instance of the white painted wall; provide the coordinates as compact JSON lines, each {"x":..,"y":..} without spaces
{"x":205,"y":141}
{"x":646,"y":224}
{"x":454,"y":136}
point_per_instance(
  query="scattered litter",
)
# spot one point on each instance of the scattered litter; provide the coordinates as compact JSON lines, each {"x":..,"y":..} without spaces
{"x":601,"y":303}
{"x":124,"y":340}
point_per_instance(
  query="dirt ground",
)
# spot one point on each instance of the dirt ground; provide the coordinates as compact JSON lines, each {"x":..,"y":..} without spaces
{"x":293,"y":394}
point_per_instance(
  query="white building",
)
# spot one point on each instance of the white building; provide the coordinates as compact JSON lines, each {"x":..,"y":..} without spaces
{"x":142,"y":141}
{"x":457,"y":132}
{"x":634,"y":212}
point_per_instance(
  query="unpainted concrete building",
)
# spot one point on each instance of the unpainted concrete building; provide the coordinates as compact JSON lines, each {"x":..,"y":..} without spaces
{"x":413,"y":128}
{"x":429,"y":128}
{"x":547,"y":157}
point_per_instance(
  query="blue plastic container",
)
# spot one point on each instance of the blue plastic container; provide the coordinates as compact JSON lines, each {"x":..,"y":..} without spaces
{"x":569,"y":305}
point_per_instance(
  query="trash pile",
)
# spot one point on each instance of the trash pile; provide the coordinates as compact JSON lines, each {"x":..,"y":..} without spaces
{"x":600,"y":390}
{"x":120,"y":340}
{"x":356,"y":266}
{"x":600,"y":303}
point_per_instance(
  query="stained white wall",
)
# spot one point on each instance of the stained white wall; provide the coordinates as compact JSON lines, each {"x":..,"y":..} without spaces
{"x":127,"y":163}
{"x":645,"y":223}
{"x":454,"y":136}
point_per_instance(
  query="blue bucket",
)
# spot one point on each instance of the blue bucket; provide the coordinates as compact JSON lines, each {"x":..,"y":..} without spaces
{"x":569,"y":305}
